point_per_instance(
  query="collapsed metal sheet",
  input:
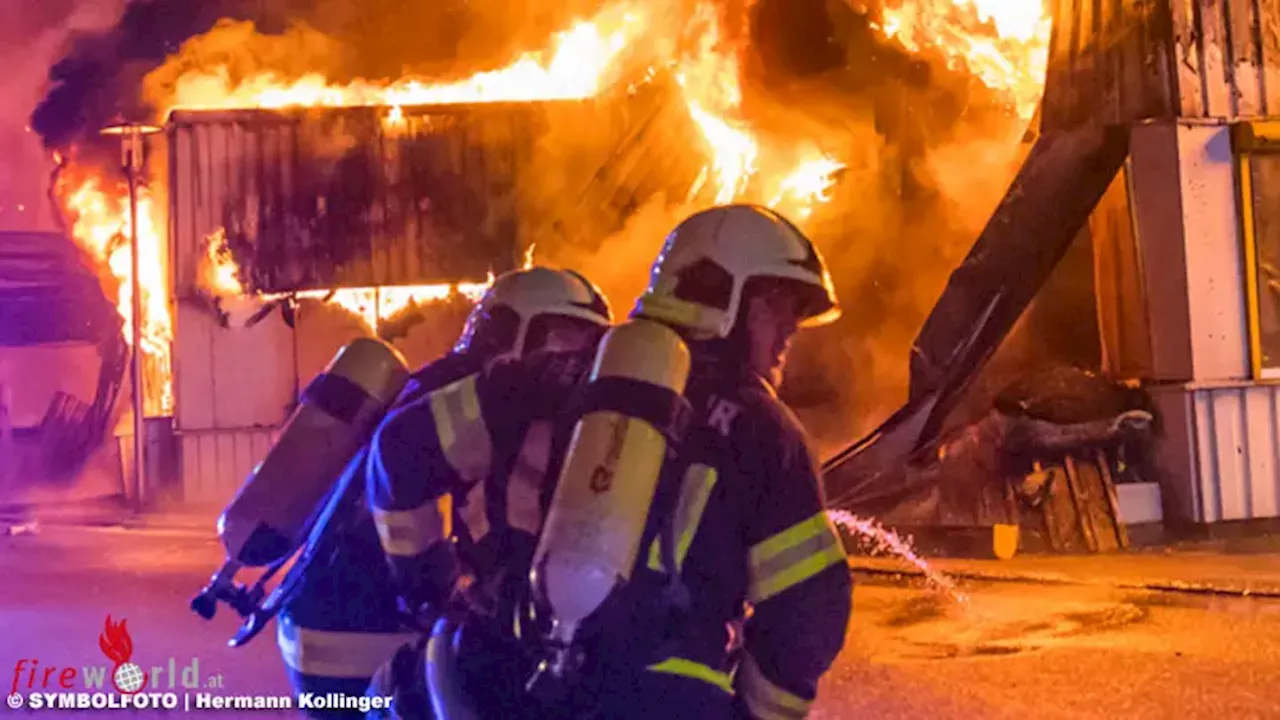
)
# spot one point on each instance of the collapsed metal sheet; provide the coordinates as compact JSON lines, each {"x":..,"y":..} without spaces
{"x":1062,"y":180}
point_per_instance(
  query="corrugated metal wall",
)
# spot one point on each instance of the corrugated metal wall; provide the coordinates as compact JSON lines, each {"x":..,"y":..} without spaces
{"x":346,"y":197}
{"x":318,"y":199}
{"x":1115,"y":61}
{"x":1220,"y":450}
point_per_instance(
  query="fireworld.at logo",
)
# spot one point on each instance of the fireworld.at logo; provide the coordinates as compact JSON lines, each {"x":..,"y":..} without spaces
{"x":127,"y":677}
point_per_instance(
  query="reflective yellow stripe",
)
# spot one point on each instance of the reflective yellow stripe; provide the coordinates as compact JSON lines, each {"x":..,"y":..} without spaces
{"x":407,"y":533}
{"x":461,"y":430}
{"x":332,"y":654}
{"x":695,"y":671}
{"x":765,"y":700}
{"x":695,"y":491}
{"x":793,"y":556}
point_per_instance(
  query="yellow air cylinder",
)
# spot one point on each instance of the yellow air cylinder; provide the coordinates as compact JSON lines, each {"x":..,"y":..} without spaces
{"x":610,"y":475}
{"x":337,"y":413}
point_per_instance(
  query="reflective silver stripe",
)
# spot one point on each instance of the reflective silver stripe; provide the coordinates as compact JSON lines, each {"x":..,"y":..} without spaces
{"x":764,"y":699}
{"x":792,"y":556}
{"x":406,"y":533}
{"x":461,"y":430}
{"x":332,"y":654}
{"x":695,"y":491}
{"x":528,"y":474}
{"x":473,"y":514}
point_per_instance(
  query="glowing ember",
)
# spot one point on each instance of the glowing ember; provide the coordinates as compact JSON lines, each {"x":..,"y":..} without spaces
{"x":879,"y":539}
{"x":1005,"y":43}
{"x":99,"y":218}
{"x":574,"y":69}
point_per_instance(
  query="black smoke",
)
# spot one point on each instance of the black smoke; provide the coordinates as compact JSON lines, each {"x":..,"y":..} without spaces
{"x":99,"y":77}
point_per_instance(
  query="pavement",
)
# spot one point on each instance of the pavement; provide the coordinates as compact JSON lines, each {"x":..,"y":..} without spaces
{"x":1241,"y":566}
{"x":1218,"y":567}
{"x":994,"y":649}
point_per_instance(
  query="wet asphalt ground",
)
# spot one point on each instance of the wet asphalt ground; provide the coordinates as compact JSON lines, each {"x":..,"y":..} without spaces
{"x":1007,"y":649}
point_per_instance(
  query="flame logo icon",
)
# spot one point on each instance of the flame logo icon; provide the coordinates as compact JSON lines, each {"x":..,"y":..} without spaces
{"x":116,"y":644}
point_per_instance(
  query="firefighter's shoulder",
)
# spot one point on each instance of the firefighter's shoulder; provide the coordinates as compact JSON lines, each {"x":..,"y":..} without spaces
{"x":436,"y":374}
{"x":770,"y":428}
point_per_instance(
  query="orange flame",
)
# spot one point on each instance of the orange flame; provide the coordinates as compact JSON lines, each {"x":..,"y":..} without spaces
{"x":1002,"y":42}
{"x":575,"y":68}
{"x":100,"y":224}
{"x":1005,"y":43}
{"x":219,"y":277}
{"x":115,"y":641}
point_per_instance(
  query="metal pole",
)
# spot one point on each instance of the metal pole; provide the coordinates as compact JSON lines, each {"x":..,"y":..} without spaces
{"x":133,"y":160}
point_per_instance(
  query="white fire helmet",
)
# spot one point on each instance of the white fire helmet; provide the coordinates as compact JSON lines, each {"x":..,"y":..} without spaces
{"x":698,"y":279}
{"x":505,"y":321}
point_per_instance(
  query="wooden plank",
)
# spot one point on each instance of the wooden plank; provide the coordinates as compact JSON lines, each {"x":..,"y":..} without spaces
{"x":1080,"y":498}
{"x":1245,"y":61}
{"x":1103,"y":459}
{"x":1187,"y":58}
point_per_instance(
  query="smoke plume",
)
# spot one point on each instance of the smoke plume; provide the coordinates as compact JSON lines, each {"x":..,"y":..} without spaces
{"x":32,"y":38}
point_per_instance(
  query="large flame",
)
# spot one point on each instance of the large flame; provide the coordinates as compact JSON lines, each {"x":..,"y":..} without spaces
{"x":1003,"y":43}
{"x":98,"y":212}
{"x":574,"y":68}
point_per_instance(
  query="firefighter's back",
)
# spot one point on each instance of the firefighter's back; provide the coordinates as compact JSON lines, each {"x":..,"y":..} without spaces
{"x":344,"y":621}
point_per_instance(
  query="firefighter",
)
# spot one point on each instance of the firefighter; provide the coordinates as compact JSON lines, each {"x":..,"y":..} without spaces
{"x":344,"y":622}
{"x":748,"y":542}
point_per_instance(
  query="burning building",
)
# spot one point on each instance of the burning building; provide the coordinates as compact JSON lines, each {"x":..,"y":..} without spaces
{"x":288,"y":210}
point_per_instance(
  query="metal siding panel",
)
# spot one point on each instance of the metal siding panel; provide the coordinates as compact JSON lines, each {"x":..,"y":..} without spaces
{"x":1188,"y":58}
{"x":231,"y":377}
{"x":1229,"y":448}
{"x":1264,"y":451}
{"x":1215,"y":290}
{"x":1162,"y":253}
{"x":224,"y":444}
{"x":216,"y":463}
{"x":1269,"y":51}
{"x":1216,"y":68}
{"x":1208,"y":487}
{"x":253,"y":375}
{"x":192,"y":368}
{"x":435,"y":202}
{"x":1245,"y":70}
{"x":1108,"y":63}
{"x":321,"y":331}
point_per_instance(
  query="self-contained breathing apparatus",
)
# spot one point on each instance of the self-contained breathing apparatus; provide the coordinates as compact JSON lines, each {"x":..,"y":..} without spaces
{"x":631,"y":418}
{"x":292,"y":487}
